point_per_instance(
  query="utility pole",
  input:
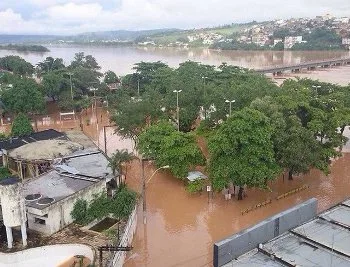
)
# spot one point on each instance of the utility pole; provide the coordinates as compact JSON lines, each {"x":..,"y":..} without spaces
{"x":230,"y":101}
{"x":138,"y":87}
{"x":71,"y":86}
{"x":177,"y":108}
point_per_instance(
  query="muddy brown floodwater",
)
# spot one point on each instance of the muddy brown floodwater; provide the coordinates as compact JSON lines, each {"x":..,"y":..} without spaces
{"x":182,"y":228}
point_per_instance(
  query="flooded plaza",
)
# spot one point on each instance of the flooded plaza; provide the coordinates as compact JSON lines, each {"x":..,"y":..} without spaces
{"x":182,"y":228}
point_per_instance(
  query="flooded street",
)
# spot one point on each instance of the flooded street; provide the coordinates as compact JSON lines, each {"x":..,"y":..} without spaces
{"x":181,"y":228}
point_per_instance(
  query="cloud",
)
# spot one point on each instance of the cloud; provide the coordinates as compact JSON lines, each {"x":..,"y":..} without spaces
{"x":75,"y":16}
{"x":71,"y":12}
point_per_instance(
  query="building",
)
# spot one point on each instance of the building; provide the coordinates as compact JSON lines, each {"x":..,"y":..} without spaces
{"x":290,"y":41}
{"x":277,"y":40}
{"x":32,"y":168}
{"x":13,"y":211}
{"x":322,"y":242}
{"x":260,"y":39}
{"x":346,"y":41}
{"x":50,"y":198}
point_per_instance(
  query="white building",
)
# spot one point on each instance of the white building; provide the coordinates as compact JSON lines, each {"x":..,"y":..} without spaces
{"x":260,"y":39}
{"x":290,"y":41}
{"x":50,"y":198}
{"x":346,"y":41}
{"x":277,"y":40}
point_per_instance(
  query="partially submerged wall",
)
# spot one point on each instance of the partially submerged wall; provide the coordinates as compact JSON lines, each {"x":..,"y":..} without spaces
{"x":58,"y":215}
{"x":246,"y":240}
{"x":119,"y":257}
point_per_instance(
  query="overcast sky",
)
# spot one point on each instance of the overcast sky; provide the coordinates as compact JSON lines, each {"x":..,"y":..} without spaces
{"x":76,"y":16}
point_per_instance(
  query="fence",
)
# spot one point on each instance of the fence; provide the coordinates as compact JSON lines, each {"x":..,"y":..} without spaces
{"x":119,"y":256}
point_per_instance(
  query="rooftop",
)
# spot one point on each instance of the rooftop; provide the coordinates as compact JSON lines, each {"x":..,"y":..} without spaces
{"x":15,"y":142}
{"x":70,"y":176}
{"x":53,"y":185}
{"x":92,"y":164}
{"x":322,"y":242}
{"x":45,"y":150}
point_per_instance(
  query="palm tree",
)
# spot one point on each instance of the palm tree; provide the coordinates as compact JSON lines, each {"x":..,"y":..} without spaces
{"x":117,"y":159}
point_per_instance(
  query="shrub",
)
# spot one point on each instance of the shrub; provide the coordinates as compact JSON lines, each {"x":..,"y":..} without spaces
{"x":79,"y":212}
{"x":195,"y":186}
{"x":21,"y":126}
{"x":120,"y":206}
{"x":4,"y":173}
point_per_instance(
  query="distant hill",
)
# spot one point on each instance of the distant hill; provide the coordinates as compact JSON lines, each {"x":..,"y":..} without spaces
{"x":29,"y":39}
{"x":120,"y":35}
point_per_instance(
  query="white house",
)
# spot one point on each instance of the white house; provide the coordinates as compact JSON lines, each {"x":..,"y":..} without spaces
{"x":50,"y":198}
{"x":290,"y":41}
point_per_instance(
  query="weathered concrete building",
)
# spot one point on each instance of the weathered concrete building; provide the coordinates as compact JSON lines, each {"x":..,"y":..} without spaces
{"x":31,"y":155}
{"x":13,"y":209}
{"x":50,"y":197}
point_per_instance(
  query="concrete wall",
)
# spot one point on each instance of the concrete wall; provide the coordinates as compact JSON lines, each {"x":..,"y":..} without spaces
{"x":119,"y":257}
{"x":246,"y":240}
{"x":46,"y":256}
{"x":13,"y":208}
{"x":57,"y":215}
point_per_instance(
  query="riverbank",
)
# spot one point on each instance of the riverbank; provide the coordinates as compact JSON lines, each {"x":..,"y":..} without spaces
{"x":339,"y":75}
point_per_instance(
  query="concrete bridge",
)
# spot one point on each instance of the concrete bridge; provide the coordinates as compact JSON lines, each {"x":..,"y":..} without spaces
{"x":311,"y":65}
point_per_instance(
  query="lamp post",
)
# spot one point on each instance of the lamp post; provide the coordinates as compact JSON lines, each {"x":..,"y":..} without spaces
{"x":230,"y":101}
{"x":205,"y":96}
{"x":138,"y":87}
{"x":177,"y":108}
{"x":94,"y":110}
{"x":316,"y":87}
{"x":71,"y":86}
{"x":144,"y":182}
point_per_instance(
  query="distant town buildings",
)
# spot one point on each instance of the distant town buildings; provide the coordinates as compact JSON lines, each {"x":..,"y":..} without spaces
{"x":290,"y":41}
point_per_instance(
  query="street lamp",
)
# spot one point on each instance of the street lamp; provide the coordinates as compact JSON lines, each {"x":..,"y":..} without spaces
{"x":138,"y":87}
{"x":144,"y":182}
{"x":71,"y":87}
{"x":316,"y":87}
{"x":177,"y":108}
{"x":230,"y":101}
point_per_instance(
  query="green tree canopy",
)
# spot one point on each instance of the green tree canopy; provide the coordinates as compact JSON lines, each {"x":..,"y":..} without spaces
{"x":49,"y":64}
{"x":110,"y":77}
{"x":25,"y":96}
{"x":54,"y":83}
{"x":17,"y":65}
{"x":167,"y":146}
{"x":21,"y":126}
{"x":241,"y":152}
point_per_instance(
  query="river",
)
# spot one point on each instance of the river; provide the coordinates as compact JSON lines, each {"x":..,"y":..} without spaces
{"x":122,"y":59}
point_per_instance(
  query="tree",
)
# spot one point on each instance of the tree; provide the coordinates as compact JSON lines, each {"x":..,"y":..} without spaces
{"x":241,"y":152}
{"x":110,"y":77}
{"x":305,"y":124}
{"x":17,"y":65}
{"x":21,"y":126}
{"x":53,"y":84}
{"x":49,"y":64}
{"x":167,"y":146}
{"x":132,"y":114}
{"x":25,"y":96}
{"x":117,"y":159}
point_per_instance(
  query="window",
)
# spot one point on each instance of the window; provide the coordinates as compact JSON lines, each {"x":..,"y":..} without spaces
{"x":39,"y":221}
